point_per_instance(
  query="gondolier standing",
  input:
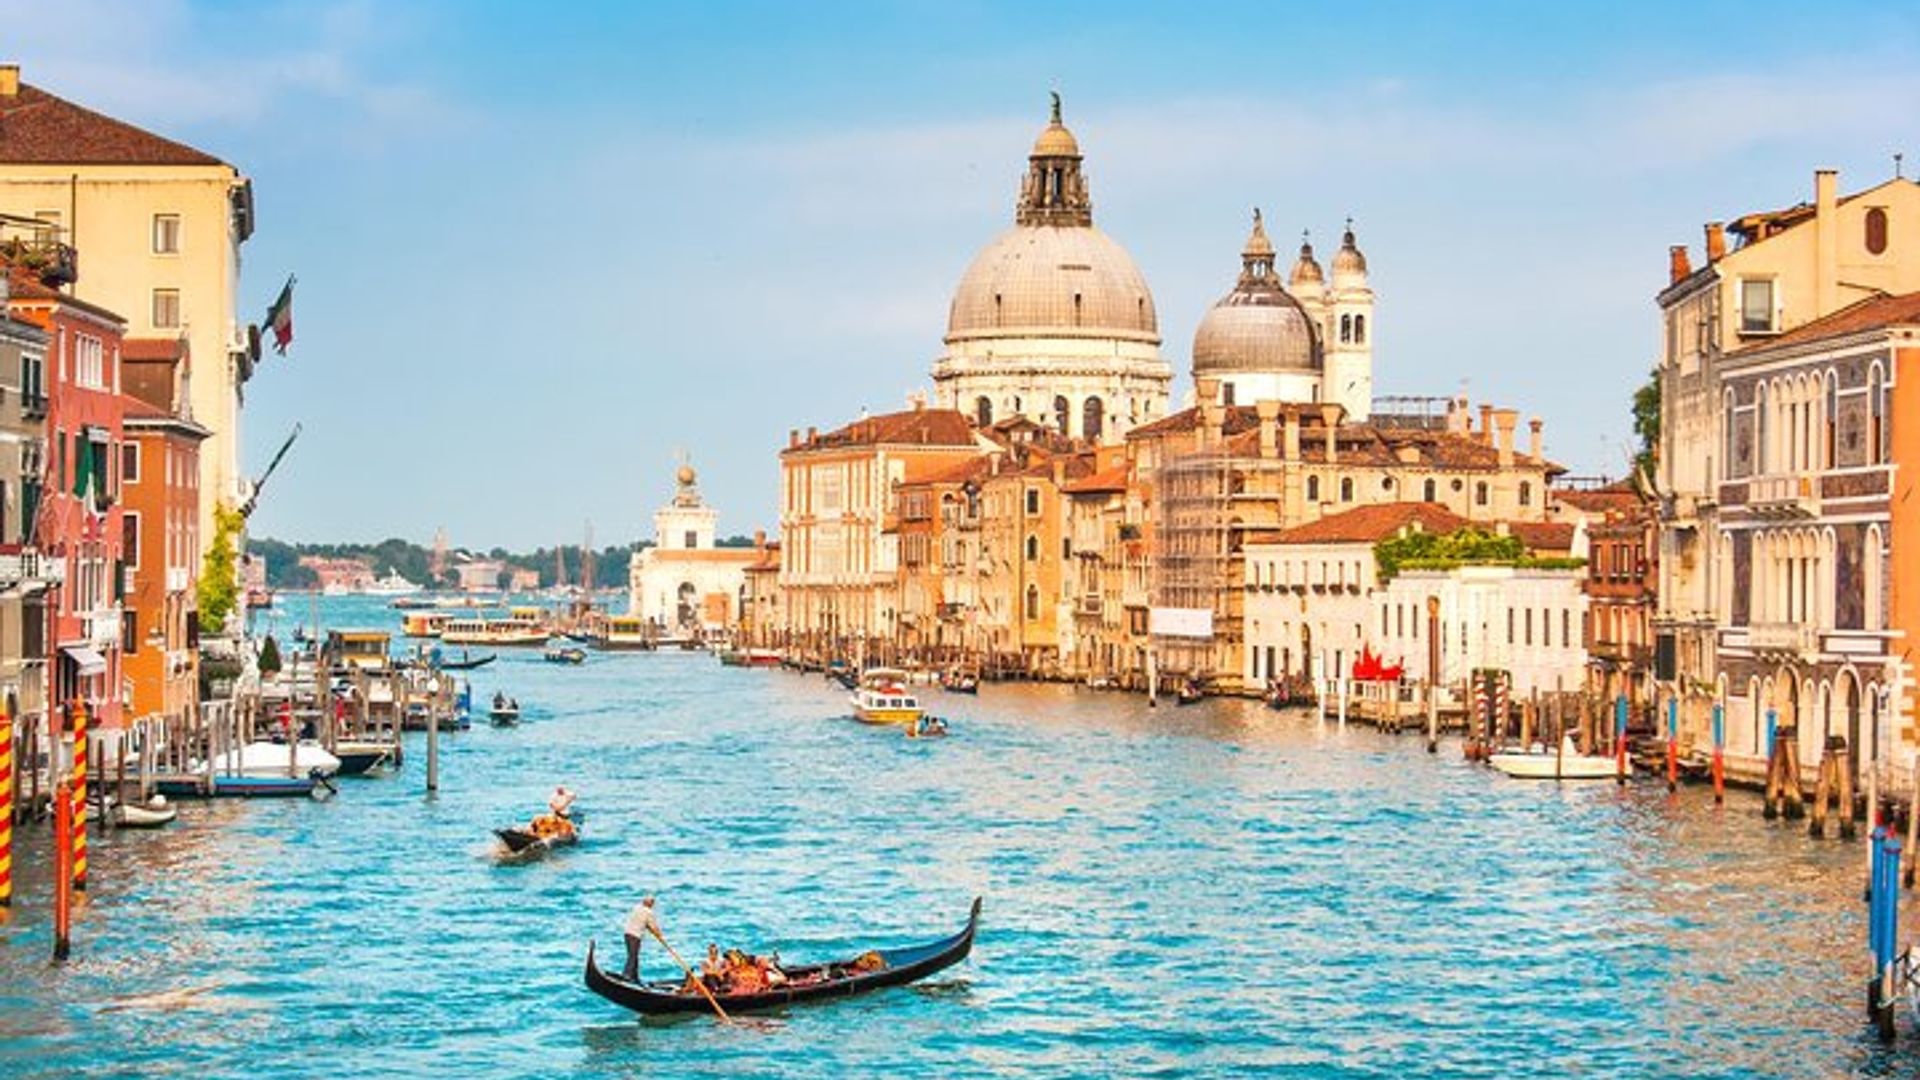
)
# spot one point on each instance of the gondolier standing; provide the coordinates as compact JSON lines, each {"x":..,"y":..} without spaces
{"x":641,"y":921}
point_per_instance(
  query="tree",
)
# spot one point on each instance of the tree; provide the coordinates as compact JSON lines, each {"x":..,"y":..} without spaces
{"x":219,"y":589}
{"x":1646,"y":424}
{"x":270,"y":656}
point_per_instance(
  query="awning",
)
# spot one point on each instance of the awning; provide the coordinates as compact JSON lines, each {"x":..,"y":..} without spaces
{"x":90,"y":662}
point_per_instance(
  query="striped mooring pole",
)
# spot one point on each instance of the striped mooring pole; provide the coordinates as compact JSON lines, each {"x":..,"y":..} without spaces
{"x":6,"y":806}
{"x":1620,"y":739}
{"x":80,"y":796}
{"x":1719,"y":755}
{"x":1883,"y":929}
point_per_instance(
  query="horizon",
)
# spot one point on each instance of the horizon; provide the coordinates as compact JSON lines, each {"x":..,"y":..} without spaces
{"x":666,"y":239}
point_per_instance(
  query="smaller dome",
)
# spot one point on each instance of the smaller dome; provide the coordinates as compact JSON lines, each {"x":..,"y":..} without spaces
{"x":685,"y":475}
{"x":1349,"y":260}
{"x":1306,"y":268}
{"x":1055,"y":140}
{"x":1258,"y":327}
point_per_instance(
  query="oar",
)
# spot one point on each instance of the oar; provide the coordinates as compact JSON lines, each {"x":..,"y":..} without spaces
{"x":697,"y":980}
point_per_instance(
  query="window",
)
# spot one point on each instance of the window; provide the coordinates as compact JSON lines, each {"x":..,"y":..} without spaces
{"x":130,"y":463}
{"x":1359,"y":329}
{"x":1876,"y":231}
{"x":1313,"y":489}
{"x":89,"y":362}
{"x":1756,"y":306}
{"x":1877,"y":407}
{"x":166,"y":309}
{"x":1346,"y":489}
{"x":1093,"y":416}
{"x":982,"y":411}
{"x":130,"y":632}
{"x":1346,"y":328}
{"x":1480,"y":493}
{"x":1033,"y":602}
{"x":1226,"y":393}
{"x":1726,"y":431}
{"x":1832,"y":421}
{"x":1526,"y":493}
{"x":1033,"y":500}
{"x":1033,"y":548}
{"x":166,"y":234}
{"x":1509,"y":626}
{"x":1061,"y":414}
{"x":691,"y":540}
{"x":130,"y":539}
{"x":1566,"y":626}
{"x":1430,"y":492}
{"x":1760,"y":429}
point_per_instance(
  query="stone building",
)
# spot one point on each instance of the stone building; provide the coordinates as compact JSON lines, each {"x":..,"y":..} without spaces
{"x":1053,"y":321}
{"x":684,"y":585}
{"x":161,"y":473}
{"x":24,"y":573}
{"x":1764,"y":275}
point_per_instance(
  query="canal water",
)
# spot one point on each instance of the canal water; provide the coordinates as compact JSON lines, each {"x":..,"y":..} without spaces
{"x":1216,"y":890}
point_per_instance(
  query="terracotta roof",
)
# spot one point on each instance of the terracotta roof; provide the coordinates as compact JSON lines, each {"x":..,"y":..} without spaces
{"x":1386,"y":446}
{"x":913,"y":427}
{"x":958,"y":473}
{"x":1543,"y":536}
{"x":1619,"y":495}
{"x":25,"y":287}
{"x":1111,"y":478}
{"x":1872,"y":314}
{"x":1234,"y":419}
{"x":132,"y":408}
{"x":37,"y":128}
{"x":1372,"y":524}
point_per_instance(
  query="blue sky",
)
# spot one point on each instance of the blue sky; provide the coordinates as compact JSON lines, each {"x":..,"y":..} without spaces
{"x":542,"y":248}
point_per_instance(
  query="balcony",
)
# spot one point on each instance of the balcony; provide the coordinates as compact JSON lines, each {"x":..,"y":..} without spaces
{"x":1784,"y":639}
{"x":1783,"y":496}
{"x":1089,"y":606}
{"x":55,"y":264}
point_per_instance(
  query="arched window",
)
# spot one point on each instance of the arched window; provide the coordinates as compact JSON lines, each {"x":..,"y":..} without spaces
{"x":1093,"y":417}
{"x":1877,"y":404}
{"x":1831,"y":422}
{"x":1876,"y":231}
{"x":1430,"y":492}
{"x":1526,"y":493}
{"x":1359,"y":329}
{"x":983,"y":411}
{"x":1062,"y":414}
{"x":1480,"y":493}
{"x":1346,"y":328}
{"x":1033,"y":548}
{"x":1346,"y":489}
{"x":1873,"y":559}
{"x":1760,"y":429}
{"x":1033,"y":602}
{"x":1313,"y":489}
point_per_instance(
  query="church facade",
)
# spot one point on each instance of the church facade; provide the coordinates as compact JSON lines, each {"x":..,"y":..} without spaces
{"x":684,"y":585}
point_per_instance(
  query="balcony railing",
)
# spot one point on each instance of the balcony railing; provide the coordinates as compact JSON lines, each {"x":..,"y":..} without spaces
{"x":1797,"y":639}
{"x":1784,"y":496}
{"x":1090,"y":606}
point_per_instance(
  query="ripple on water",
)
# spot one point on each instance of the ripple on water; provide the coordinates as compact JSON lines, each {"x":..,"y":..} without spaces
{"x":1220,"y":890}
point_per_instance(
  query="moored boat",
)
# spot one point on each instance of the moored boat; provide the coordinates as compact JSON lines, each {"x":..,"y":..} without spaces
{"x":871,"y":970}
{"x":565,"y":654}
{"x":622,"y":633}
{"x":148,"y":815}
{"x":1568,"y":763}
{"x":763,"y":657}
{"x":424,"y":624}
{"x":467,"y":661}
{"x":358,"y":757}
{"x":524,"y":845}
{"x":491,"y":632}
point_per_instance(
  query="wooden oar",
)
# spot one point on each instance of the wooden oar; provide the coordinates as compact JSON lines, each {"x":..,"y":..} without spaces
{"x":697,"y":980}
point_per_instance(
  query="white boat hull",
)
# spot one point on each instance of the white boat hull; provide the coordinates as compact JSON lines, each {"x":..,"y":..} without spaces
{"x":1541,"y":766}
{"x":266,"y":760}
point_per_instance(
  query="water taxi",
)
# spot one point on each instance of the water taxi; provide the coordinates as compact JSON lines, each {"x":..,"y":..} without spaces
{"x":531,"y":618}
{"x":882,"y":698}
{"x":424,"y":624}
{"x":491,"y":632}
{"x":621,"y":632}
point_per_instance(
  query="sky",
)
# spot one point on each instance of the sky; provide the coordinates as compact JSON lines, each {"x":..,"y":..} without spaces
{"x":545,"y":248}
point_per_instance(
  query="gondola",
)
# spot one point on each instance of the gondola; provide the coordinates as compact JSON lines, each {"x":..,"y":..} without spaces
{"x":562,"y":654}
{"x":522,"y":846}
{"x":1189,"y":694}
{"x":834,"y":980}
{"x":467,"y":663}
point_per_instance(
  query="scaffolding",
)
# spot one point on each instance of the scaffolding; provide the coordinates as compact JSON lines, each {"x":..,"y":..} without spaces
{"x":1193,"y":546}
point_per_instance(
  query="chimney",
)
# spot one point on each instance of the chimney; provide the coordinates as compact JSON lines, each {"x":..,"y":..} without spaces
{"x":9,"y":80}
{"x":793,"y":436}
{"x":1486,"y":425}
{"x":1826,"y":242}
{"x":1212,"y":423}
{"x":1269,"y":414}
{"x":1208,"y":389}
{"x":1533,"y":438}
{"x":1059,"y":472}
{"x":1504,"y":420}
{"x":1330,"y":419}
{"x":1716,"y":242}
{"x":812,"y":432}
{"x":760,"y":539}
{"x":1290,"y":443}
{"x":1677,"y":266}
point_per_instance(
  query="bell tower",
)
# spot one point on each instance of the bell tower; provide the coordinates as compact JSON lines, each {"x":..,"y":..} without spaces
{"x":1350,"y":338}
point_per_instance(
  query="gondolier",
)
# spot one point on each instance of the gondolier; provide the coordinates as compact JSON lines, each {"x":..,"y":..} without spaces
{"x":641,"y":921}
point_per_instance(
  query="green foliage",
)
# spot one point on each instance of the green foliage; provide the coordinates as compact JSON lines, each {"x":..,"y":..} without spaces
{"x":415,"y":563}
{"x":1468,"y":546}
{"x":269,"y":656}
{"x":1646,"y":423}
{"x":219,"y":588}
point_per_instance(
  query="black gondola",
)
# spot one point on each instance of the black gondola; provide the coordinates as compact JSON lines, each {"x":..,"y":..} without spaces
{"x":836,"y":980}
{"x":467,"y":663}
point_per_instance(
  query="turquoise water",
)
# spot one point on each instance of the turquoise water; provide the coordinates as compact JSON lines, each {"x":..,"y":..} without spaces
{"x":1218,"y":890}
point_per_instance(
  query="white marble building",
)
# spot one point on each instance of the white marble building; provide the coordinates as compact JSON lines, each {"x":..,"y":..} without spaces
{"x":683,"y":584}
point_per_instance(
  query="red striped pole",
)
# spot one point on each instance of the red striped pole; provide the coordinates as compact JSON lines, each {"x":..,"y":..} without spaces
{"x":62,"y":863}
{"x":6,"y":806}
{"x":79,"y":796}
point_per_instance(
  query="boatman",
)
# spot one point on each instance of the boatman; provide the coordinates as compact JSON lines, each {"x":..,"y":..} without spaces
{"x":641,"y":921}
{"x":561,"y":802}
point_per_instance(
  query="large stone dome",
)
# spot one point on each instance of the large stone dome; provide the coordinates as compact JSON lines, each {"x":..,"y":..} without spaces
{"x":1053,"y":281}
{"x":1258,"y":327}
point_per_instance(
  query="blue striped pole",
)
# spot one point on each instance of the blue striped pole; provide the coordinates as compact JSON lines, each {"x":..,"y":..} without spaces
{"x":1771,"y":810}
{"x":1620,"y":738}
{"x":1673,"y":743}
{"x":1719,"y":752}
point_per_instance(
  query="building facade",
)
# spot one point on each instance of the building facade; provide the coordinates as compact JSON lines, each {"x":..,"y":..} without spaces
{"x":161,"y":479}
{"x":683,"y":584}
{"x":161,"y":225}
{"x":24,"y":573}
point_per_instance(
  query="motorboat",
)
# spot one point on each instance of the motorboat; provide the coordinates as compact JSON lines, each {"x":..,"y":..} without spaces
{"x":882,"y":698}
{"x":491,"y":632}
{"x":151,"y":814}
{"x":565,"y":654}
{"x":264,"y":759}
{"x":424,"y":624}
{"x":392,"y":585}
{"x":1568,"y":763}
{"x":505,"y":711}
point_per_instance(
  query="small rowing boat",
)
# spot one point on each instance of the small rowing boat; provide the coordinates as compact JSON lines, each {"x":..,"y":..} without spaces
{"x":565,"y":654}
{"x":524,"y":846}
{"x":1568,"y":764}
{"x":147,"y":815}
{"x":844,"y":978}
{"x":467,"y":662}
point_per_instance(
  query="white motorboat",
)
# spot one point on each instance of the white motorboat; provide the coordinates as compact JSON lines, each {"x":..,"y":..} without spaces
{"x":392,"y":585}
{"x":147,"y":815}
{"x":1566,"y":764}
{"x":264,"y":760}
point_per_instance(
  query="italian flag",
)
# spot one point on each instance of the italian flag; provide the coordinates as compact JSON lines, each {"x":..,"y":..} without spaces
{"x":280,"y":318}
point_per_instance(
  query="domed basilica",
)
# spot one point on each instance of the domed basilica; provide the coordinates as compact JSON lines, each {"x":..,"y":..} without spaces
{"x":1055,"y":323}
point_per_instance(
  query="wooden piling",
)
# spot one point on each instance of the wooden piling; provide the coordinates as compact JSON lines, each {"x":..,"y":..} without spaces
{"x":433,"y":750}
{"x":6,"y":805}
{"x":1842,"y":756}
{"x":1822,"y":790}
{"x":1795,"y":807}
